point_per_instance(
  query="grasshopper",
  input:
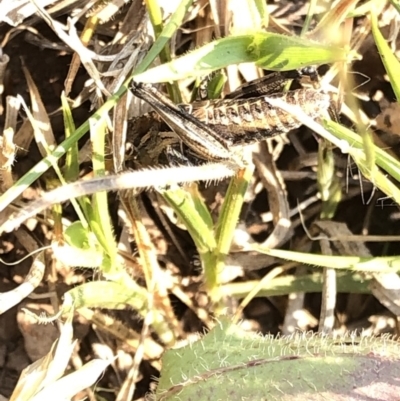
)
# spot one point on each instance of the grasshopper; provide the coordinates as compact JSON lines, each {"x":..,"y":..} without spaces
{"x":216,"y":130}
{"x":207,"y":135}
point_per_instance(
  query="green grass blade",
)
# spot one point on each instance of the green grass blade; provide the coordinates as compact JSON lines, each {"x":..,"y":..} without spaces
{"x":170,"y":28}
{"x":216,"y":85}
{"x":262,"y":10}
{"x":395,"y":4}
{"x":156,"y":19}
{"x":387,"y":264}
{"x":195,"y":217}
{"x":281,"y":286}
{"x":389,"y":60}
{"x":376,"y":176}
{"x":230,"y":212}
{"x":382,"y":158}
{"x":371,"y":172}
{"x":310,"y":13}
{"x":101,"y":221}
{"x":71,"y":169}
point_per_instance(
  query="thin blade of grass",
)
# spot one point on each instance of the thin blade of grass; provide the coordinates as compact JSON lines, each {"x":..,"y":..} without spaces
{"x":155,"y":14}
{"x":227,"y":221}
{"x":281,"y":286}
{"x":328,"y":184}
{"x":262,"y":9}
{"x":328,"y":26}
{"x":129,"y":180}
{"x":388,"y":264}
{"x":395,"y":4}
{"x":71,"y":168}
{"x":170,"y":28}
{"x":382,"y":158}
{"x":101,"y":221}
{"x":389,"y":60}
{"x":195,"y":218}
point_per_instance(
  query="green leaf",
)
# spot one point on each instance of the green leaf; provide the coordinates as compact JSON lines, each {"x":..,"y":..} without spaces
{"x":102,"y":294}
{"x":284,"y":53}
{"x":268,"y":50}
{"x":115,"y":295}
{"x":78,"y":236}
{"x":238,"y":365}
